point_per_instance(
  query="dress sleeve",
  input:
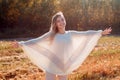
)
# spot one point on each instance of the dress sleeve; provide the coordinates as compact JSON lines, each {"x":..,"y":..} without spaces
{"x":85,"y":33}
{"x":83,"y":42}
{"x":34,"y":40}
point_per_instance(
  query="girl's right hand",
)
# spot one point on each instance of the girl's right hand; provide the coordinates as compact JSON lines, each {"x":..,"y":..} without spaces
{"x":15,"y":44}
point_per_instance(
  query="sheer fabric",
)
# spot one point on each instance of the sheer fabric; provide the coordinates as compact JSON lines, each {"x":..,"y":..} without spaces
{"x":65,"y":54}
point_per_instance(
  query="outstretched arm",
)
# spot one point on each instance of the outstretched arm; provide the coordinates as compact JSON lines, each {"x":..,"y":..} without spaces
{"x":90,"y":32}
{"x":85,"y":33}
{"x":107,"y":31}
{"x":40,"y":38}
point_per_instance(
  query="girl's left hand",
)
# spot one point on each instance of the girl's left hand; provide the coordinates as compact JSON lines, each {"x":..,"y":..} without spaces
{"x":107,"y":31}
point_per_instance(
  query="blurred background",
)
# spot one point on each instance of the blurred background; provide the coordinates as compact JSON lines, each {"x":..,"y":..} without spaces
{"x":25,"y":19}
{"x":32,"y":18}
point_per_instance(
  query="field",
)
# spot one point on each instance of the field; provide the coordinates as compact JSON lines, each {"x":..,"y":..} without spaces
{"x":102,"y":64}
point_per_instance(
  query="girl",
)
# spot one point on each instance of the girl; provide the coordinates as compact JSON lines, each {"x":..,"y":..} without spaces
{"x":58,"y":52}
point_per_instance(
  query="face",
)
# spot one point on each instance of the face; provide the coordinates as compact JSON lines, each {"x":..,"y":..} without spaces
{"x":60,"y":22}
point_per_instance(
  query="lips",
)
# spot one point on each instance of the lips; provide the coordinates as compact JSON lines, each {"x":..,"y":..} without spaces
{"x":63,"y":24}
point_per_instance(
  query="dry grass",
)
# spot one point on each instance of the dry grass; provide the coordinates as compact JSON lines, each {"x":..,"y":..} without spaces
{"x":102,"y":64}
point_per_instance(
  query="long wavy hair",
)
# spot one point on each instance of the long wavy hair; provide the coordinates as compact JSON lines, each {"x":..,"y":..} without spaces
{"x":54,"y":29}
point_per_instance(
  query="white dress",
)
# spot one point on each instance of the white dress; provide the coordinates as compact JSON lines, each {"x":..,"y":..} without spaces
{"x":65,"y":54}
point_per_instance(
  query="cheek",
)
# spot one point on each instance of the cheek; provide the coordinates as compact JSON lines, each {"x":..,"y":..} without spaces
{"x":58,"y":24}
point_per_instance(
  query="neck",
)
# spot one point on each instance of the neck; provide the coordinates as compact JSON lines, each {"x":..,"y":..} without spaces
{"x":61,"y":31}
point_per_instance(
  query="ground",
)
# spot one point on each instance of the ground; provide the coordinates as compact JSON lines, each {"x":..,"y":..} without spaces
{"x":103,"y":63}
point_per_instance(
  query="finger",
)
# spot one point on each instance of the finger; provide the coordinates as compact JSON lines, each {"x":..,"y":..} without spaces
{"x":109,"y":31}
{"x":15,"y":41}
{"x":110,"y":28}
{"x":106,"y":28}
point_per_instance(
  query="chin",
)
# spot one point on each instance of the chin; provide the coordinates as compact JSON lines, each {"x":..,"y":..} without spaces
{"x":61,"y":27}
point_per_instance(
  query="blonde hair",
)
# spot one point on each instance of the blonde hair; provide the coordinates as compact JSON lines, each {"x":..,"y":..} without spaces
{"x":53,"y":29}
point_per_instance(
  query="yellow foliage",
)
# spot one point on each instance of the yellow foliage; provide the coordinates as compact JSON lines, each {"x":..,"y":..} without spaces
{"x":13,"y":14}
{"x":0,"y":1}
